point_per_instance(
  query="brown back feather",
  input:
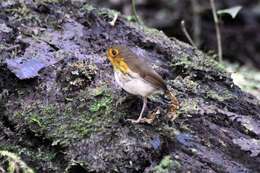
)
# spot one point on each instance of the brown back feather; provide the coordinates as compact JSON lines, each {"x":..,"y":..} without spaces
{"x":138,"y":65}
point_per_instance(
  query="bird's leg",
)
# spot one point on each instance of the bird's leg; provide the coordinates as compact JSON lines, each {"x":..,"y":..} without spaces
{"x":140,"y":116}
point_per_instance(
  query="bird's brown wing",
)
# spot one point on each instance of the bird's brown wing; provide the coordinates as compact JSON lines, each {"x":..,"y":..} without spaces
{"x":156,"y":80}
{"x":139,"y":65}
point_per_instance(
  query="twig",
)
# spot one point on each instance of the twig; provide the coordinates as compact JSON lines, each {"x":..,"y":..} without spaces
{"x":134,"y":11}
{"x":213,"y":7}
{"x":196,"y":21}
{"x":112,"y":23}
{"x":184,"y":30}
{"x":12,"y":47}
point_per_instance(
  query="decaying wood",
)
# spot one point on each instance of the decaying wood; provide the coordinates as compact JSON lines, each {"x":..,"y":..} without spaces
{"x":66,"y":119}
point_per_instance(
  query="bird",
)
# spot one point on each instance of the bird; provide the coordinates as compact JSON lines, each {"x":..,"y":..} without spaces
{"x":135,"y":75}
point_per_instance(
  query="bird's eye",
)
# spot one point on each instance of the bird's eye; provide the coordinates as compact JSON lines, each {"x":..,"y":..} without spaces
{"x":114,"y":52}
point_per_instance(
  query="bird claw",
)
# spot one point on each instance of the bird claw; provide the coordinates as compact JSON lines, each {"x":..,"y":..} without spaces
{"x":142,"y":120}
{"x":172,"y":115}
{"x":134,"y":121}
{"x":148,"y":120}
{"x":172,"y":112}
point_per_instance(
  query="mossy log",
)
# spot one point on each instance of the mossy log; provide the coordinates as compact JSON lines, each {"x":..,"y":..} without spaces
{"x":63,"y":116}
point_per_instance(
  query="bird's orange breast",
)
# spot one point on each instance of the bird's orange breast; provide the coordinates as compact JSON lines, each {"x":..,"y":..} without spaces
{"x":119,"y":64}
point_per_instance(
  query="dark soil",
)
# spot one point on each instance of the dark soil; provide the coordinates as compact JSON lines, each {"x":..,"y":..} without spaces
{"x":62,"y":116}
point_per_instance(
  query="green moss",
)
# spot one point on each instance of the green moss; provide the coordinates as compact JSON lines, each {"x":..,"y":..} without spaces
{"x":154,"y":31}
{"x":168,"y":131}
{"x":73,"y":120}
{"x":50,"y":118}
{"x":55,"y":25}
{"x":116,"y":170}
{"x":177,"y":164}
{"x":185,"y":127}
{"x":186,"y":108}
{"x":186,"y":84}
{"x":113,"y":12}
{"x":25,"y":15}
{"x":34,"y":119}
{"x":166,"y":161}
{"x":128,"y":18}
{"x":88,"y":8}
{"x":69,"y":99}
{"x":216,"y":95}
{"x":101,"y":102}
{"x":192,"y":83}
{"x":198,"y":62}
{"x":164,"y":165}
{"x":14,"y":162}
{"x":84,"y":127}
{"x":155,"y":97}
{"x":108,"y":13}
{"x":186,"y":63}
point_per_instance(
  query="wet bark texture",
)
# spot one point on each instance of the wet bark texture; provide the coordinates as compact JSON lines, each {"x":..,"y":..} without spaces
{"x":61,"y":114}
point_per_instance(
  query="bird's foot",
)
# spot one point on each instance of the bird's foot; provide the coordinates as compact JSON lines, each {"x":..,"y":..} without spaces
{"x":142,"y":120}
{"x":172,"y":115}
{"x":135,"y":121}
{"x":172,"y":112}
{"x":149,"y":120}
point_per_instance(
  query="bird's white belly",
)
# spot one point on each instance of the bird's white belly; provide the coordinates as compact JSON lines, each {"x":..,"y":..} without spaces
{"x":136,"y":86}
